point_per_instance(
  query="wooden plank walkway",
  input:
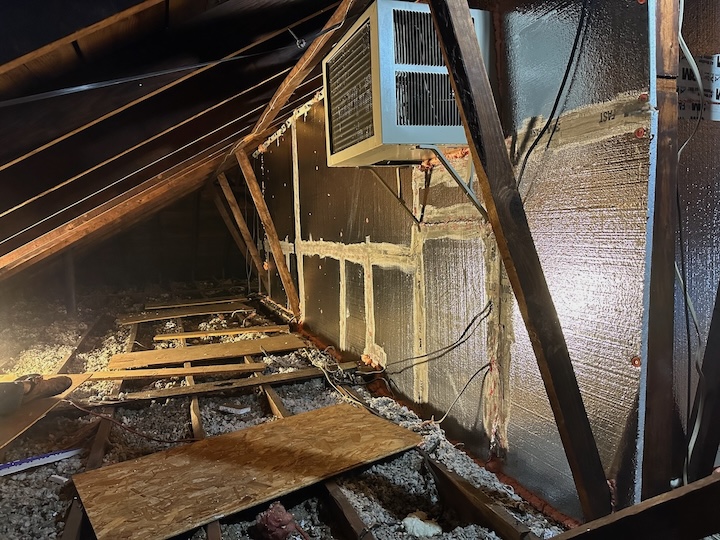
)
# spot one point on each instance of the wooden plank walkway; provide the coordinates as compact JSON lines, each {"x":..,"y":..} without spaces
{"x":204,"y":353}
{"x":186,"y":311}
{"x":147,"y":498}
{"x":225,"y":332}
{"x":163,"y":373}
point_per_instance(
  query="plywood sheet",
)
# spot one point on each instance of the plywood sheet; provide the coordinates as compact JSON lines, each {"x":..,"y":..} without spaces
{"x":186,"y":311}
{"x":151,"y":497}
{"x":199,"y":353}
{"x":14,"y":425}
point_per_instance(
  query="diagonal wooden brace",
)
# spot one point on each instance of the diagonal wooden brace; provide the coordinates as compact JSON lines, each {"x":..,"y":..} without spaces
{"x":512,"y":232}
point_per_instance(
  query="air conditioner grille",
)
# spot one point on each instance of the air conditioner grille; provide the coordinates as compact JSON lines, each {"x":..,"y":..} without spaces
{"x":425,"y":99}
{"x":350,"y":92}
{"x":415,"y":39}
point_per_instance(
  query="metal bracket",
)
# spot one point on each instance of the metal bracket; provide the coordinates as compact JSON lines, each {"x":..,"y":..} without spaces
{"x":465,"y":186}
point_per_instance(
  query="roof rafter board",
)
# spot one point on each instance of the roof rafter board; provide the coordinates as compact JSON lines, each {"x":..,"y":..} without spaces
{"x":22,"y":61}
{"x":184,"y":311}
{"x":219,"y":140}
{"x":146,"y":498}
{"x":130,"y":206}
{"x":112,"y":112}
{"x":462,"y":55}
{"x":204,"y":353}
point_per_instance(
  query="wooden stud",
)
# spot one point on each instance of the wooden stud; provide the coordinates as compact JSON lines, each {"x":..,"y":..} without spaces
{"x":687,"y":512}
{"x":474,"y":95}
{"x":270,"y":231}
{"x":661,"y":455}
{"x":707,"y":400}
{"x":244,"y":230}
{"x":310,"y":58}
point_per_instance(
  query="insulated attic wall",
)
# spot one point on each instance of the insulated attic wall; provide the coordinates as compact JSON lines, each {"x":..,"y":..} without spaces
{"x":586,"y":200}
{"x":699,"y":177}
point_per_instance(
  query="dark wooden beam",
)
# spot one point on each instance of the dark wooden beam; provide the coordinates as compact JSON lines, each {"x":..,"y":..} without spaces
{"x":661,"y":456}
{"x":310,"y":58}
{"x":244,"y":229}
{"x":706,"y":410}
{"x":684,"y":514}
{"x":270,"y":231}
{"x":111,"y":216}
{"x":507,"y":215}
{"x":473,"y":505}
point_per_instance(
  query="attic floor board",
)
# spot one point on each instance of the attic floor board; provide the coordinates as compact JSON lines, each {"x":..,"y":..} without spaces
{"x":186,"y":311}
{"x":151,"y":498}
{"x":199,"y":353}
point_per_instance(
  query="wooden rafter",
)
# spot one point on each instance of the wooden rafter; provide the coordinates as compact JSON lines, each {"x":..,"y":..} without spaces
{"x":244,"y":229}
{"x":308,"y":61}
{"x":270,"y":231}
{"x":507,"y":215}
{"x":661,"y":456}
{"x":160,"y":90}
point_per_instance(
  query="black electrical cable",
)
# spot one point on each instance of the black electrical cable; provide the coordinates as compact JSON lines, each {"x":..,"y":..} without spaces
{"x":439,"y":353}
{"x":574,"y":51}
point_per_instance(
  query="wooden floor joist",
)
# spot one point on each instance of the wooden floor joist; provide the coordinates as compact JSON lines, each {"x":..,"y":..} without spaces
{"x":225,"y":332}
{"x":473,"y":505}
{"x":147,"y":498}
{"x":185,"y":311}
{"x":474,"y":96}
{"x":164,"y":373}
{"x":223,"y":386}
{"x":206,"y":353}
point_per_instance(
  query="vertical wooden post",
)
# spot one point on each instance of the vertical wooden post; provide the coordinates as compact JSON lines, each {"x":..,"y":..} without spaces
{"x":474,"y":95}
{"x":244,"y":230}
{"x":70,"y":294}
{"x":270,"y":231}
{"x":661,"y":456}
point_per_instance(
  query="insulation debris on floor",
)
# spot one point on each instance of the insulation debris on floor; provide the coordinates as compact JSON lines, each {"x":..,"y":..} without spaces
{"x":393,"y":496}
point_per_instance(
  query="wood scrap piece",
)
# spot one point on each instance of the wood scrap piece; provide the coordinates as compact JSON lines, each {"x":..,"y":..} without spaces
{"x":14,"y":425}
{"x":187,"y":311}
{"x":686,"y":512}
{"x":473,"y":505}
{"x":224,"y":332}
{"x":198,"y":302}
{"x":204,"y":353}
{"x":148,"y":498}
{"x":223,"y":386}
{"x":163,"y":373}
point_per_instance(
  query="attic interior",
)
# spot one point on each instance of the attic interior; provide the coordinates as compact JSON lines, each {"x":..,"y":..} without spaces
{"x":359,"y":269}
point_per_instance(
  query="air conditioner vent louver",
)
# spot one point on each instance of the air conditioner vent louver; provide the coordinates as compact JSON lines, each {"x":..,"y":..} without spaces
{"x":415,"y":39}
{"x":350,"y":92}
{"x":387,"y":91}
{"x":425,"y":99}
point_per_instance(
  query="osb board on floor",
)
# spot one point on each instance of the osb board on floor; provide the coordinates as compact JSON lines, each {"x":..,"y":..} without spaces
{"x":187,"y":311}
{"x":167,"y":493}
{"x":14,"y":425}
{"x":199,"y":353}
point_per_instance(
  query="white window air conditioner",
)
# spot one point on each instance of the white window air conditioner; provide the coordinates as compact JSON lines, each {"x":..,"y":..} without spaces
{"x":387,"y":89}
